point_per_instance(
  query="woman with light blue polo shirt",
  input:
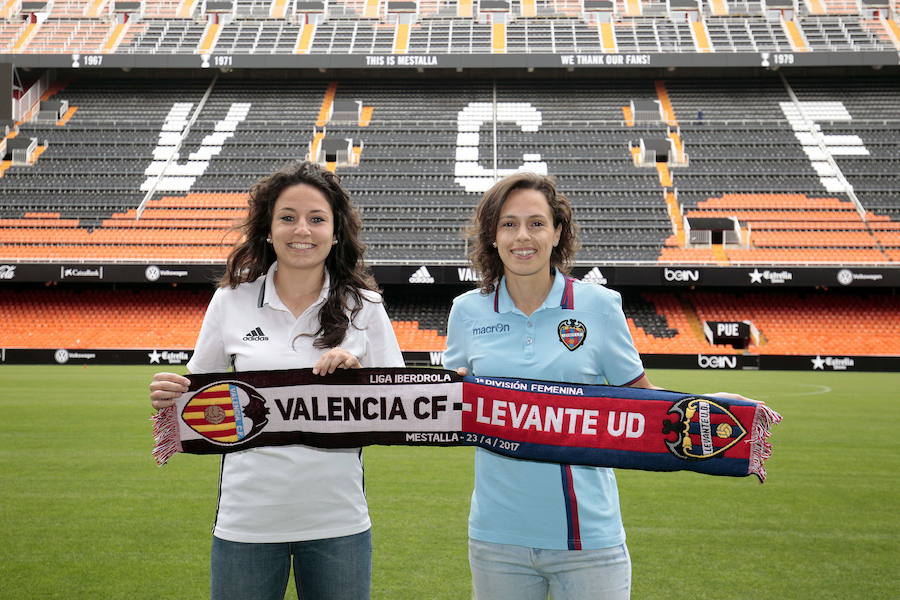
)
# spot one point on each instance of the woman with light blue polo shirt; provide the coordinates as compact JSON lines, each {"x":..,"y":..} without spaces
{"x":540,"y":528}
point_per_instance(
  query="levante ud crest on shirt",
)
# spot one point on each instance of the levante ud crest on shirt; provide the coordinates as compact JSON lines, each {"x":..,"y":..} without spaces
{"x":572,"y":333}
{"x":226,"y":412}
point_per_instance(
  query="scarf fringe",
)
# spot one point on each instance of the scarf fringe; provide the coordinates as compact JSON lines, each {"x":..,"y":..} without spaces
{"x":165,"y":435}
{"x":760,"y":448}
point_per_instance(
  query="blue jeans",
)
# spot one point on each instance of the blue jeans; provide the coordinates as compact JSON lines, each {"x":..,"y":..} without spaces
{"x":330,"y":569}
{"x":504,"y":572}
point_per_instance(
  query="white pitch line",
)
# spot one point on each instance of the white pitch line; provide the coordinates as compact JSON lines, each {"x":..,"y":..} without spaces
{"x":822,"y":389}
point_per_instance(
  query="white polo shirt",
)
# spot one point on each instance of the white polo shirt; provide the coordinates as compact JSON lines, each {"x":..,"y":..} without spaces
{"x":287,"y":493}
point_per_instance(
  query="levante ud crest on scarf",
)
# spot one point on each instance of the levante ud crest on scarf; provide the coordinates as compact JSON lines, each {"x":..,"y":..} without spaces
{"x":226,"y":412}
{"x":705,"y":429}
{"x":572,"y":333}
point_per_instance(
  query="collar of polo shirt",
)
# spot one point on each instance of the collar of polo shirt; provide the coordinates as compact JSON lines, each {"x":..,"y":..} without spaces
{"x":554,"y":296}
{"x":268,"y":295}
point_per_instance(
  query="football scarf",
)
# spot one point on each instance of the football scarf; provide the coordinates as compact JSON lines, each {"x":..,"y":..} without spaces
{"x":596,"y":425}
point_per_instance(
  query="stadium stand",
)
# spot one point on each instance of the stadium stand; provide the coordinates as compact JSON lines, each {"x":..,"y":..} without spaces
{"x":811,"y":323}
{"x":733,"y":154}
{"x":138,"y":169}
{"x":96,"y":318}
{"x":790,"y":323}
{"x":95,"y":164}
{"x":788,"y":228}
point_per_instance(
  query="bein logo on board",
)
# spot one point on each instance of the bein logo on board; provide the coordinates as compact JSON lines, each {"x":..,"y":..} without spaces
{"x":686,"y":275}
{"x":716,"y":361}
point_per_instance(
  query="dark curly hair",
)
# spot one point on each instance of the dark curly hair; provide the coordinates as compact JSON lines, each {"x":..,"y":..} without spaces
{"x":482,"y":231}
{"x":252,"y":257}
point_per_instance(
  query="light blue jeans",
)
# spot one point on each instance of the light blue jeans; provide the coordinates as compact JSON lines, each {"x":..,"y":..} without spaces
{"x":504,"y":572}
{"x":330,"y":569}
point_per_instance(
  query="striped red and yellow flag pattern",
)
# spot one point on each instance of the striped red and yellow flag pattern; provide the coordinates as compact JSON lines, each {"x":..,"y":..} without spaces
{"x":211,"y":414}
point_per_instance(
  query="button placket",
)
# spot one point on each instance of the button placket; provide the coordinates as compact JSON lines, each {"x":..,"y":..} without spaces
{"x":528,"y":339}
{"x":297,"y":328}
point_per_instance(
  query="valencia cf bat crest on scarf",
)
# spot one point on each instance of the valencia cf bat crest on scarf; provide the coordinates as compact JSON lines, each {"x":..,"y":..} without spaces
{"x":226,"y":412}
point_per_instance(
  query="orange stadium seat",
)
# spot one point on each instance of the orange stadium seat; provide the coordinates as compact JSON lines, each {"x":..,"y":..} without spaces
{"x":92,"y":318}
{"x":811,"y":323}
{"x":191,"y":227}
{"x":789,"y":323}
{"x":413,"y":339}
{"x":156,"y":318}
{"x":791,"y":228}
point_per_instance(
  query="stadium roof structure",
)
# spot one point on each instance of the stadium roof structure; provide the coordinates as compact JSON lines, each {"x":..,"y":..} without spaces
{"x":413,"y":62}
{"x":441,"y":34}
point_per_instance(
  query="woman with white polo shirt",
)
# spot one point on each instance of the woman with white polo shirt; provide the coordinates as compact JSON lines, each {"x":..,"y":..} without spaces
{"x":295,"y":294}
{"x":540,"y":528}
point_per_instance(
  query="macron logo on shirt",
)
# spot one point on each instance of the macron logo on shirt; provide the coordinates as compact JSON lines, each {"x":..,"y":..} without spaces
{"x":497,"y":328}
{"x":256,"y":335}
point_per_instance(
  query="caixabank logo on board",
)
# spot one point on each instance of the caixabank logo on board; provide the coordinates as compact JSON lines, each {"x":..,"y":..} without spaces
{"x":81,"y":272}
{"x":7,"y":271}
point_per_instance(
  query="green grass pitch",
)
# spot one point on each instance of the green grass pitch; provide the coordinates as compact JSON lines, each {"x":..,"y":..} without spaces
{"x":86,"y":514}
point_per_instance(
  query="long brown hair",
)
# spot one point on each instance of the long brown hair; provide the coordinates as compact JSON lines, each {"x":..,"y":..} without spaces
{"x":252,"y":257}
{"x":482,"y":231}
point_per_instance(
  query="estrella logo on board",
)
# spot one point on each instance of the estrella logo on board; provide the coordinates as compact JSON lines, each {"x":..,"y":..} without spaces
{"x":705,"y":429}
{"x":226,"y":412}
{"x":572,"y":333}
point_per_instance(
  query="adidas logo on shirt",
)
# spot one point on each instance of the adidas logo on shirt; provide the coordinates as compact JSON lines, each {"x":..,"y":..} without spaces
{"x":256,"y":335}
{"x":421,"y":276}
{"x":594,"y":276}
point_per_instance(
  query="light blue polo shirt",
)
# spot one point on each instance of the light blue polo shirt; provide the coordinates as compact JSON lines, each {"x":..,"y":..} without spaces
{"x":579,"y":335}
